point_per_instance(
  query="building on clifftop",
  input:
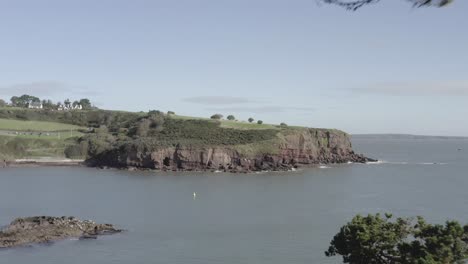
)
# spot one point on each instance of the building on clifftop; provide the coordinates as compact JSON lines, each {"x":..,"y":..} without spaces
{"x":35,"y":105}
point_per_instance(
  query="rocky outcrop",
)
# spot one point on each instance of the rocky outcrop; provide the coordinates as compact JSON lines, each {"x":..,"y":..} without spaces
{"x":289,"y":150}
{"x":44,"y":229}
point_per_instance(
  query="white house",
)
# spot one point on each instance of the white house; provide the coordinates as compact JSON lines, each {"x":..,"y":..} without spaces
{"x":35,"y":105}
{"x":68,"y":106}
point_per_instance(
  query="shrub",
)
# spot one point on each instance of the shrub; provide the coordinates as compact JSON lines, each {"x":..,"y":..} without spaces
{"x":283,"y":125}
{"x":143,"y":127}
{"x":251,"y":119}
{"x":231,"y":117}
{"x":96,"y":144}
{"x":259,"y":122}
{"x":73,"y":151}
{"x":217,"y":116}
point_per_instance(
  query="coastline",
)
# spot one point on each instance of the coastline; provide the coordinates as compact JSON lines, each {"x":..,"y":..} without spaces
{"x":42,"y":162}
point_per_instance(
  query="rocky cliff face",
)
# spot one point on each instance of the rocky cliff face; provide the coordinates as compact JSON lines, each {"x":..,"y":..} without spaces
{"x":289,"y":150}
{"x":45,"y":229}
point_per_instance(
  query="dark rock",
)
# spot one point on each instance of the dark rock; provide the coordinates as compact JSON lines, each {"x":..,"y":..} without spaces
{"x":45,"y":229}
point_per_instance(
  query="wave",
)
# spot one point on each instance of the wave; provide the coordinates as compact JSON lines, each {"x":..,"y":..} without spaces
{"x":405,"y":163}
{"x":376,"y":162}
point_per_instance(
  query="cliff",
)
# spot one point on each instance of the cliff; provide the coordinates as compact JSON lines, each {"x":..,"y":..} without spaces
{"x":156,"y":140}
{"x":288,"y":149}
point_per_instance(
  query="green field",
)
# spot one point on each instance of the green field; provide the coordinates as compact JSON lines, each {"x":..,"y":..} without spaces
{"x":43,"y":126}
{"x":243,"y":125}
{"x":189,"y":117}
{"x":43,"y":135}
{"x":23,"y":147}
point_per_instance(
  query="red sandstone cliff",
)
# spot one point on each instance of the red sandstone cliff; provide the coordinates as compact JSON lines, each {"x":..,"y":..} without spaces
{"x":301,"y":147}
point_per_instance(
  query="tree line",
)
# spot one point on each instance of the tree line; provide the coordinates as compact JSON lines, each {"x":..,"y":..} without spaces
{"x":233,"y":118}
{"x":24,"y":100}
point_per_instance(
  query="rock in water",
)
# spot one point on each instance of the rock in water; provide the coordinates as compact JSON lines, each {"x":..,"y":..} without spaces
{"x":43,"y":229}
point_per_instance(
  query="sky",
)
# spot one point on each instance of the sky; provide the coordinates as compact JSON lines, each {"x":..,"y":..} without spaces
{"x":386,"y":68}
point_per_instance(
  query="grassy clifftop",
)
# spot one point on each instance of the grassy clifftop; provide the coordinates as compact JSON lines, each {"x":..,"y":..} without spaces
{"x":28,"y":125}
{"x":97,"y":131}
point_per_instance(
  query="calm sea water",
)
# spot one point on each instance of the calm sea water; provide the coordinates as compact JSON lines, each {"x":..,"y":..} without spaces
{"x":257,"y":218}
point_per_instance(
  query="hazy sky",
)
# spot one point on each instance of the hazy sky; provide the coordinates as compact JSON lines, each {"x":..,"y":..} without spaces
{"x":387,"y":68}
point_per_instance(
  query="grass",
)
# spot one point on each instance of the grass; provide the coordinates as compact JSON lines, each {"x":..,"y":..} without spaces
{"x":181,"y":117}
{"x":270,"y":146}
{"x":26,"y":139}
{"x":245,"y":125}
{"x":39,"y":135}
{"x":23,"y":147}
{"x":43,"y":126}
{"x":242,"y":125}
{"x":207,"y":132}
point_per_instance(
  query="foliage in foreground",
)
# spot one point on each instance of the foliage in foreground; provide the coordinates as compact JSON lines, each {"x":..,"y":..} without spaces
{"x":375,"y":239}
{"x":356,"y":4}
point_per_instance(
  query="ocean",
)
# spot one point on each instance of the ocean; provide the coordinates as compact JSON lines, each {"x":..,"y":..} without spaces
{"x":270,"y":217}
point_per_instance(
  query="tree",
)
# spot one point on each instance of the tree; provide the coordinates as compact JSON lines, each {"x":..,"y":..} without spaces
{"x":376,"y":239}
{"x":259,"y":122}
{"x":216,"y":116}
{"x":154,"y":112}
{"x":170,"y":113}
{"x":14,"y":100}
{"x":23,"y":100}
{"x":283,"y":125}
{"x":231,"y":117}
{"x":85,"y":104}
{"x":29,"y":98}
{"x":251,"y":119}
{"x":356,"y":4}
{"x":67,"y":103}
{"x":48,"y":104}
{"x":2,"y":103}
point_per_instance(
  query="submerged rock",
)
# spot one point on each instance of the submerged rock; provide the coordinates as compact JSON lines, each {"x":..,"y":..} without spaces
{"x":45,"y":229}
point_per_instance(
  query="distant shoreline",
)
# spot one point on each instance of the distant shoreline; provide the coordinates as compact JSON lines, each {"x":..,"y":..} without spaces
{"x":404,"y":136}
{"x":42,"y":162}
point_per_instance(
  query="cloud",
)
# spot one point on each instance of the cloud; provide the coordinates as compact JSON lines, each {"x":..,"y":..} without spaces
{"x":231,"y":104}
{"x":44,"y":88}
{"x":261,"y":109}
{"x":218,"y":100}
{"x":447,"y":88}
